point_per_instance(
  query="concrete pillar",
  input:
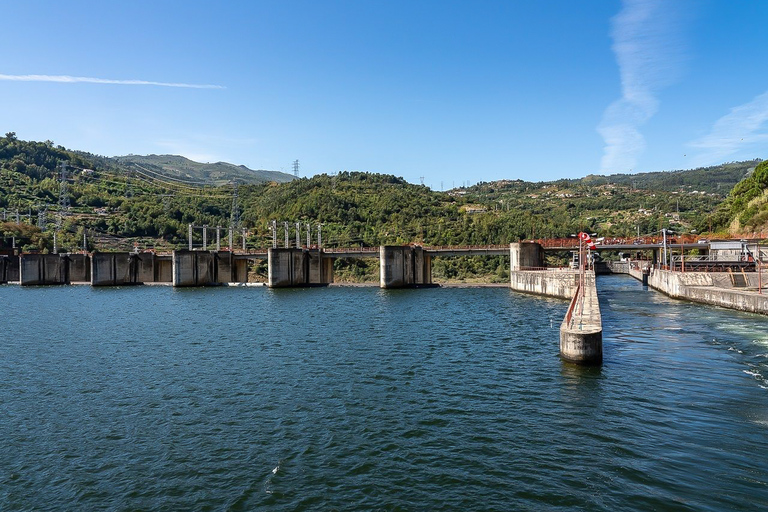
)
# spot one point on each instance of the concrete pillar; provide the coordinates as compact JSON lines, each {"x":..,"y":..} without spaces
{"x":13,"y":269}
{"x":9,"y":268}
{"x":524,"y":255}
{"x":163,"y":269}
{"x":225,"y":268}
{"x":42,"y":269}
{"x":240,"y":267}
{"x":298,"y":267}
{"x":404,"y":267}
{"x":113,"y":269}
{"x":4,"y":264}
{"x":79,"y":268}
{"x":320,"y":267}
{"x":195,"y":268}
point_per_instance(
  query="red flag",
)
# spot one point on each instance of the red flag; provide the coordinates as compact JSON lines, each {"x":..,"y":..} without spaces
{"x":587,"y":240}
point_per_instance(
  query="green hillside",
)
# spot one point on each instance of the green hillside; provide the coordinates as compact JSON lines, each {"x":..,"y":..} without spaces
{"x":180,"y":168}
{"x":746,"y":208}
{"x":117,"y":209}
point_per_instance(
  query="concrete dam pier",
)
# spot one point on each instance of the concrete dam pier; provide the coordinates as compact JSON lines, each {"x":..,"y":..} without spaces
{"x":182,"y":268}
{"x":298,"y":267}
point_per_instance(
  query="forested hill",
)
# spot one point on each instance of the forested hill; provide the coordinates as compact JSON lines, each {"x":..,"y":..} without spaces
{"x":746,"y":208}
{"x":717,"y":179}
{"x":180,"y":168}
{"x":112,"y":206}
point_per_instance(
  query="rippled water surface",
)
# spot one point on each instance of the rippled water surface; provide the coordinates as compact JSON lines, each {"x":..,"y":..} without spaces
{"x":363,"y":399}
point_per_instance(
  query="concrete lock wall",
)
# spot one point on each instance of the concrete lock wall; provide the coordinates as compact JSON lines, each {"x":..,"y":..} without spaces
{"x":552,"y":283}
{"x":196,"y":268}
{"x":404,"y":266}
{"x":42,"y":269}
{"x":702,"y":287}
{"x":524,"y":255}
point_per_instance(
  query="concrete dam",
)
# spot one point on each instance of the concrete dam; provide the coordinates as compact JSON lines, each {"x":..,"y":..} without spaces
{"x":408,"y":266}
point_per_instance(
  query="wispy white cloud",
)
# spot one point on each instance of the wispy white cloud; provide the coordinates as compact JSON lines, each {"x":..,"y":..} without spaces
{"x":742,"y":127}
{"x":90,"y":80}
{"x":648,"y":53}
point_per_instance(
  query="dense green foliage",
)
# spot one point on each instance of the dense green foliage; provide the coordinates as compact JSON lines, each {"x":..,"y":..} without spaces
{"x":116,"y":207}
{"x":746,"y":208}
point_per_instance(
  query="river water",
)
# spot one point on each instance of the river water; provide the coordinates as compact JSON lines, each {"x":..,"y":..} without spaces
{"x":153,"y":398}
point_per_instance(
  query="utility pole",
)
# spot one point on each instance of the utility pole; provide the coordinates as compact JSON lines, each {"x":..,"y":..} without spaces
{"x":41,"y":213}
{"x":234,"y":218}
{"x":63,"y":196}
{"x":273,"y":228}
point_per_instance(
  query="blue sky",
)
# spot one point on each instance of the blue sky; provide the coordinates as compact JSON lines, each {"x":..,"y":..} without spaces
{"x":452,"y":91}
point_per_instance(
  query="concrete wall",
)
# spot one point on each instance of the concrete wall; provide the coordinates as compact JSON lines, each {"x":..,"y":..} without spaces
{"x":552,"y":283}
{"x":240,"y":271}
{"x":119,"y":268}
{"x":581,"y":333}
{"x":617,"y":267}
{"x":320,"y":267}
{"x":79,"y":268}
{"x":9,"y":268}
{"x":163,"y":269}
{"x":701,"y":287}
{"x":225,"y":267}
{"x":298,"y":267}
{"x":285,"y":268}
{"x":526,"y":255}
{"x":404,"y":267}
{"x":42,"y":269}
{"x":195,"y":268}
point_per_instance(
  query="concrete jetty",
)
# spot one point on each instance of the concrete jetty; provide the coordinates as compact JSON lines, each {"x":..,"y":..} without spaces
{"x":581,"y":333}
